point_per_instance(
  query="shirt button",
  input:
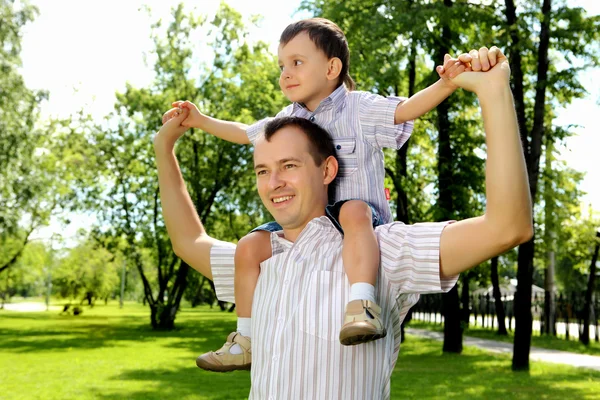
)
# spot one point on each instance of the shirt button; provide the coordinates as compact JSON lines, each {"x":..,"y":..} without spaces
{"x":280,"y":320}
{"x":275,"y":358}
{"x":312,"y":118}
{"x":338,"y":147}
{"x":286,"y":282}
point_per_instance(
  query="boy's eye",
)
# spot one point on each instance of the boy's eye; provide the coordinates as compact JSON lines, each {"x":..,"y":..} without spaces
{"x":281,"y":68}
{"x":297,"y":62}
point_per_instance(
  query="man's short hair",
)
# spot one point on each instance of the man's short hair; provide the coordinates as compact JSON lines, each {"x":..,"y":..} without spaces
{"x":320,"y":142}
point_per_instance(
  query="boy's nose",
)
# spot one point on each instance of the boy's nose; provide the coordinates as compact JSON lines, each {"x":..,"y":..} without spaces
{"x":285,"y":74}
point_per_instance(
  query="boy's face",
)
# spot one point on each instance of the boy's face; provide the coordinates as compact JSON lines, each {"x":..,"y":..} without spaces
{"x":304,"y":72}
{"x":291,"y":186}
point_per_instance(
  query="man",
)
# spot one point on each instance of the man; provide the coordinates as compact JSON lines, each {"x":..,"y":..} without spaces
{"x":302,"y":288}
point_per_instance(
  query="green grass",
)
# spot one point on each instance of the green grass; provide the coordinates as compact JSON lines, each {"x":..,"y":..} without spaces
{"x":545,"y":342}
{"x":109,"y":353}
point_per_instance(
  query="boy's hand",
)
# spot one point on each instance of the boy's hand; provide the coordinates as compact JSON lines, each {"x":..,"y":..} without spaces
{"x":194,"y":118}
{"x":452,"y":68}
{"x":172,"y":129}
{"x":492,"y":61}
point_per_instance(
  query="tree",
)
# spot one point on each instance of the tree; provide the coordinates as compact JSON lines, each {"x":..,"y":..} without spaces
{"x":587,"y":308}
{"x":87,"y":272}
{"x":239,"y":83}
{"x":563,"y":33}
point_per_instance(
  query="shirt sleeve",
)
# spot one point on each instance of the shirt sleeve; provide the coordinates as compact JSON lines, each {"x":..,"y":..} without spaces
{"x":254,"y":130}
{"x":410,"y":257}
{"x":222,"y":266}
{"x":376,"y":115}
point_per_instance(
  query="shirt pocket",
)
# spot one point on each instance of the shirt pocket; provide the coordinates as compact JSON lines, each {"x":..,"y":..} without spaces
{"x":323,"y":309}
{"x":345,"y":149}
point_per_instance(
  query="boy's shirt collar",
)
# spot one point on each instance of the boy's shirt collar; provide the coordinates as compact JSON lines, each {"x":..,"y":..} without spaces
{"x":336,"y":99}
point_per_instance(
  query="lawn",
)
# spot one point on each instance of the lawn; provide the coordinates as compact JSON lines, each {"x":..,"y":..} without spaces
{"x":111,"y":353}
{"x":546,"y":342}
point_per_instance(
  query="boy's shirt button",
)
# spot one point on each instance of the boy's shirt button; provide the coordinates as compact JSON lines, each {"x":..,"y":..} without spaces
{"x":312,"y":118}
{"x":338,"y":147}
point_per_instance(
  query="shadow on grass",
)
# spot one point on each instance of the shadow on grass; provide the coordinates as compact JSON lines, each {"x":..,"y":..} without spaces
{"x":52,"y":332}
{"x":178,"y":383}
{"x":423,"y":372}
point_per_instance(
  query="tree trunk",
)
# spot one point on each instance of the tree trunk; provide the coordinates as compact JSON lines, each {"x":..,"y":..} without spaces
{"x":162,"y":316}
{"x":500,"y":315}
{"x":402,"y":199}
{"x":522,"y":307}
{"x":452,"y":327}
{"x":523,"y":318}
{"x":548,"y":326}
{"x":465,"y":311}
{"x":587,"y":308}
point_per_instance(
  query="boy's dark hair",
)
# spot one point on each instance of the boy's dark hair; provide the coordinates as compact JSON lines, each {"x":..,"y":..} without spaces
{"x":329,"y":38}
{"x":320,"y":143}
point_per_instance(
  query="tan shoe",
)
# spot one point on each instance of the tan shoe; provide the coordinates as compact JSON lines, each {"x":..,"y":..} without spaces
{"x":362,"y":323}
{"x":223,"y":361}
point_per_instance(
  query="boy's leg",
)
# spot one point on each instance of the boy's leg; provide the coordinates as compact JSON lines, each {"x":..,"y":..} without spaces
{"x":360,"y":254}
{"x":236,"y":353}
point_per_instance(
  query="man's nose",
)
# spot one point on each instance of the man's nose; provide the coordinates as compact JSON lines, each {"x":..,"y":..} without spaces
{"x":275,"y":181}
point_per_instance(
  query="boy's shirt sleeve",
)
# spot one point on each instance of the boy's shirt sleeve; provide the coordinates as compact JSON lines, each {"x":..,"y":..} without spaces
{"x":376,"y":116}
{"x":254,"y":130}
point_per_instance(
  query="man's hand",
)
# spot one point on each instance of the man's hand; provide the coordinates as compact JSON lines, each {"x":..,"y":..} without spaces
{"x":172,"y":128}
{"x":194,"y":118}
{"x":493,"y":63}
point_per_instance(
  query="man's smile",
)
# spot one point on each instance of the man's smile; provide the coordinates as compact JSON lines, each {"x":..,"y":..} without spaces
{"x":282,"y":200}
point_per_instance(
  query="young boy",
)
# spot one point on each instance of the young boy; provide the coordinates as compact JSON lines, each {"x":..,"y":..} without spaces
{"x":314,"y":60}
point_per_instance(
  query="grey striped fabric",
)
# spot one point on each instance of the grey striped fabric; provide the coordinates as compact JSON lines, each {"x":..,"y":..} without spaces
{"x":299,"y":303}
{"x":361,"y":124}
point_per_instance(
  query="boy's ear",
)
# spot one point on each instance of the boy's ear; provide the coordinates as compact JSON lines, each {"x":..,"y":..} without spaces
{"x":334,"y":68}
{"x":330,"y":169}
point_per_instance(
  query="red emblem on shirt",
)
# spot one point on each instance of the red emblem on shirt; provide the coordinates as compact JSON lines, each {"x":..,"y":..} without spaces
{"x":387,"y":193}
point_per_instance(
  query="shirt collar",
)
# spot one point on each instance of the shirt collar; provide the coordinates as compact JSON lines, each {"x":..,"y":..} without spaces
{"x":336,"y":99}
{"x":281,"y":244}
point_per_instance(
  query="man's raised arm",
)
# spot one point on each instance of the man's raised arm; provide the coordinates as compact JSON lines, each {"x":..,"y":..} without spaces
{"x":188,"y":237}
{"x":507,"y":221}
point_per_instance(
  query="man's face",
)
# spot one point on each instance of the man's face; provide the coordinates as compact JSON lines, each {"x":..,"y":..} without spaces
{"x":303,"y":71}
{"x":290,"y":184}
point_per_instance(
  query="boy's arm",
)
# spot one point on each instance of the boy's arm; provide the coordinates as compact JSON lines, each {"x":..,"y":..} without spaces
{"x":429,"y":98}
{"x":507,"y":221}
{"x":188,"y":237}
{"x":234,"y":132}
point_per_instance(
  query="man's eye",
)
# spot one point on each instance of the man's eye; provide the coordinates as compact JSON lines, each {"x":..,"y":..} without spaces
{"x":289,"y":166}
{"x":261,"y":172}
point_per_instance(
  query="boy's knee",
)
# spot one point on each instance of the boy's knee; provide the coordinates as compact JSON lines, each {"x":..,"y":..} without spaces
{"x":355,"y":214}
{"x":255,"y":247}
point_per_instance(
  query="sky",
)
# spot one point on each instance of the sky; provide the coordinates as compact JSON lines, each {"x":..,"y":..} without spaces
{"x":83,"y":51}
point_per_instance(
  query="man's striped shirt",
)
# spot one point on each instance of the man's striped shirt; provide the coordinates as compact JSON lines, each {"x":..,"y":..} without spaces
{"x":298,"y":310}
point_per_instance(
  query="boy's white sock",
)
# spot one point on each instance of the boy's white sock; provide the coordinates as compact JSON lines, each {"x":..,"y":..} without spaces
{"x":244,"y":327}
{"x":362,"y":291}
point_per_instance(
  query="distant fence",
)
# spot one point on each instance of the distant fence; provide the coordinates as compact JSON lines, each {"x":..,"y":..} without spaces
{"x":568,"y":313}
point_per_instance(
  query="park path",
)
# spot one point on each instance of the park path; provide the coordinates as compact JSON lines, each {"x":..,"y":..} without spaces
{"x":536,"y":353}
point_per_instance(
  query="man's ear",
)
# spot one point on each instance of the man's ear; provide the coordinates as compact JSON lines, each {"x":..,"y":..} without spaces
{"x":334,"y":68}
{"x":330,"y":170}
